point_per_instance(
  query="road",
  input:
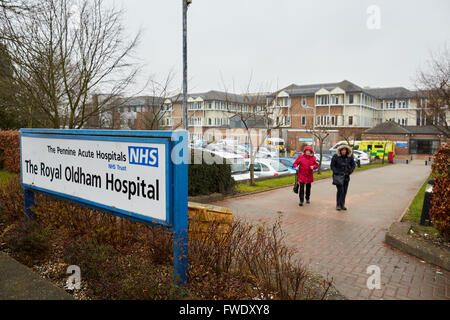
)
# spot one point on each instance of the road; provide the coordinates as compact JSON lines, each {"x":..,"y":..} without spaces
{"x":341,"y":245}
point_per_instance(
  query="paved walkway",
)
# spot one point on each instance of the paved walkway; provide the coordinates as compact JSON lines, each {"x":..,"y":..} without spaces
{"x":343,"y":244}
{"x":18,"y":282}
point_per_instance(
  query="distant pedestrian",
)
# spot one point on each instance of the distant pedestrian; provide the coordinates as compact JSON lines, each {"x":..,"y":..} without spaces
{"x":305,"y":165}
{"x":342,"y":165}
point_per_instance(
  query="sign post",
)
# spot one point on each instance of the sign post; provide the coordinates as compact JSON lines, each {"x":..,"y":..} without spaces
{"x":137,"y":175}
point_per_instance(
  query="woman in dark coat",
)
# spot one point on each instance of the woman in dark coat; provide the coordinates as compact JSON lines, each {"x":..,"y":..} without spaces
{"x":342,"y":165}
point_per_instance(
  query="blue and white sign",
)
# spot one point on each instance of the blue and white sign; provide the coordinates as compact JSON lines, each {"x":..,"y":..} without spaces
{"x":403,"y":144}
{"x":138,"y":175}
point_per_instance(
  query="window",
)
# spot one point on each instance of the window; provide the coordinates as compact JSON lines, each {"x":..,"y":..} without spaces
{"x":350,"y":99}
{"x":350,"y":120}
{"x":264,"y":167}
{"x":417,"y":146}
{"x":304,"y":101}
{"x":195,"y":121}
{"x":303,"y":121}
{"x":335,"y":100}
{"x":322,"y":100}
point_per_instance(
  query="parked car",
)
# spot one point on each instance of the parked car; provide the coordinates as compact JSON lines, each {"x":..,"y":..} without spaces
{"x":328,"y":152}
{"x":296,"y":154}
{"x":239,"y":150}
{"x":239,"y":171}
{"x":287,"y":162}
{"x":344,"y":142}
{"x":228,"y":142}
{"x":268,"y":168}
{"x":363,"y":157}
{"x":326,"y":161}
{"x":264,"y":152}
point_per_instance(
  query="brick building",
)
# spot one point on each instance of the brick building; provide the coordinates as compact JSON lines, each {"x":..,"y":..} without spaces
{"x":341,"y":109}
{"x":416,"y":141}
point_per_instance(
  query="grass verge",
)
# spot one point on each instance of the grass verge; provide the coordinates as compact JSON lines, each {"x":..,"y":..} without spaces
{"x":415,"y":212}
{"x":286,"y":181}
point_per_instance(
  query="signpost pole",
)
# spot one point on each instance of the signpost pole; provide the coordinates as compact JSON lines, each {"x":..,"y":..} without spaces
{"x":180,"y":223}
{"x":28,"y":203}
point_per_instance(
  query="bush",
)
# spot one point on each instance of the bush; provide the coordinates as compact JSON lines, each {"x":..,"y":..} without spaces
{"x":247,"y":262}
{"x":440,"y":203}
{"x":111,"y":275}
{"x":28,"y":240}
{"x":120,"y":259}
{"x":10,"y":150}
{"x":11,"y":200}
{"x":205,"y":179}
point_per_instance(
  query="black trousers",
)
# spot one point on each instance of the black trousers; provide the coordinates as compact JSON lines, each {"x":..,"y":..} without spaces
{"x":301,"y":193}
{"x":342,"y":193}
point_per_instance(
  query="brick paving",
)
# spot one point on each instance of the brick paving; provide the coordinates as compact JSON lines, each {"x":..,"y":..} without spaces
{"x":341,"y":245}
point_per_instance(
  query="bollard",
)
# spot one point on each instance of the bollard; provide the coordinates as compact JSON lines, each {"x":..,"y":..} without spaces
{"x":427,"y":204}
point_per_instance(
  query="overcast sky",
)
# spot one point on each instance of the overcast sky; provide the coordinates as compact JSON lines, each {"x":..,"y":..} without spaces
{"x":279,"y":42}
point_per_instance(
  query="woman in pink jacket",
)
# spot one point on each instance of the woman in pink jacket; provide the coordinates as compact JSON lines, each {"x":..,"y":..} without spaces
{"x":305,"y":165}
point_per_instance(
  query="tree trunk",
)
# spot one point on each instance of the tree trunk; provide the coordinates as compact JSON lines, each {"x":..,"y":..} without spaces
{"x":252,"y":160}
{"x":320,"y":162}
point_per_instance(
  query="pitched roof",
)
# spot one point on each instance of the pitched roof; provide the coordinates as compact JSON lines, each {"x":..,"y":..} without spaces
{"x":226,"y":96}
{"x":423,"y":130}
{"x":390,"y":93}
{"x":389,"y":127}
{"x":310,"y":89}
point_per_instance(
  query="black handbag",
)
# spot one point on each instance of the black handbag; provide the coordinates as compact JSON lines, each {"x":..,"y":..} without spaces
{"x":338,"y":179}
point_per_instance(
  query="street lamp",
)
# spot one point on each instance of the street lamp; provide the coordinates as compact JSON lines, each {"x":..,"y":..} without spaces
{"x":186,"y":3}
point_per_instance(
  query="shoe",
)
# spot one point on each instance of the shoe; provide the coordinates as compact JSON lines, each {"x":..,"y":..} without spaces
{"x":338,"y":208}
{"x":308,"y":202}
{"x":344,"y":208}
{"x":301,"y":204}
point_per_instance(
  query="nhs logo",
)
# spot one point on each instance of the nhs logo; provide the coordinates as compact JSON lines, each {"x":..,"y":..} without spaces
{"x":143,"y":156}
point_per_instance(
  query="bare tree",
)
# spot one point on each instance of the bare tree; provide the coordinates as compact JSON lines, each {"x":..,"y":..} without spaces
{"x":159,"y":104}
{"x":65,"y":51}
{"x":349,"y":135}
{"x":14,"y":5}
{"x":433,"y":87}
{"x":258,"y":116}
{"x":321,"y":134}
{"x":11,"y":116}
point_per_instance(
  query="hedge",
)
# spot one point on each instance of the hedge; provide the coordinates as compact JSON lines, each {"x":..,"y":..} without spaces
{"x":10,"y":151}
{"x":205,"y":179}
{"x":440,"y":204}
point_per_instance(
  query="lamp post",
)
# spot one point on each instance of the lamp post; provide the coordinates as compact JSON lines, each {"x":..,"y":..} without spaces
{"x":186,"y":3}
